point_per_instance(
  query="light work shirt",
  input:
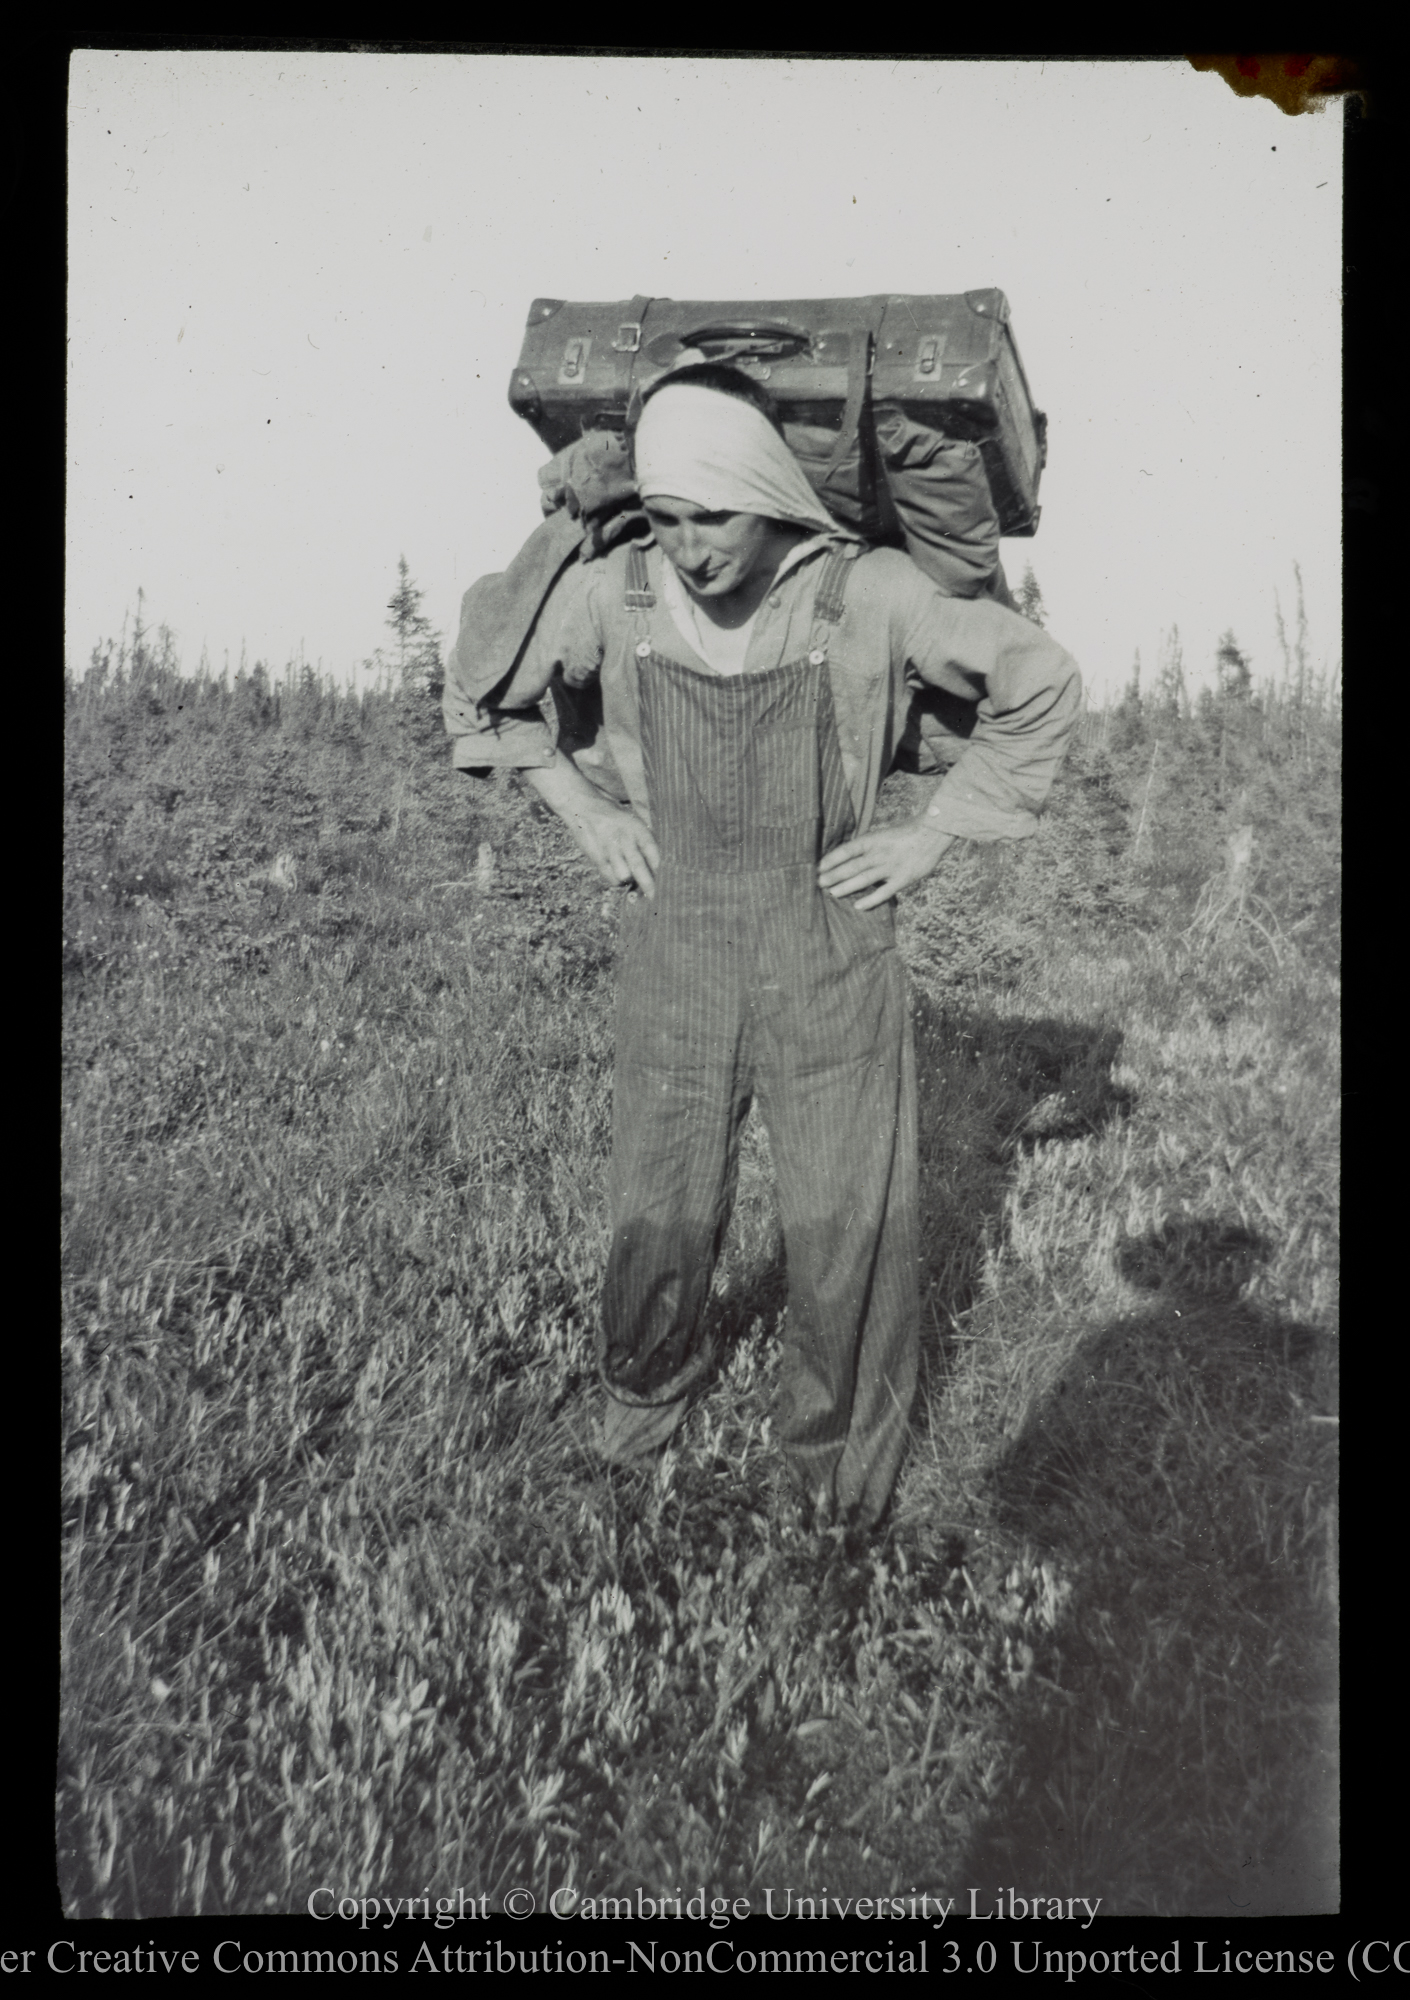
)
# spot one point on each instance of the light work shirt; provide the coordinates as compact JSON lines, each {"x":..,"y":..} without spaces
{"x":1000,"y":696}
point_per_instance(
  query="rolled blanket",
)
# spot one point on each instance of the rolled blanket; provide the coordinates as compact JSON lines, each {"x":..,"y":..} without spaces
{"x":591,"y":503}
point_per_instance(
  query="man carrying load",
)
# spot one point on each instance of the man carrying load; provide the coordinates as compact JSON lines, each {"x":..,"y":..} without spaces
{"x":748,"y":677}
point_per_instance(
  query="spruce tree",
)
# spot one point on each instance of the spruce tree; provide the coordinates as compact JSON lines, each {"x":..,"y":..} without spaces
{"x":1233,"y":668}
{"x":1130,"y":712}
{"x":1170,"y":693}
{"x":418,"y":646}
{"x":1029,"y":598}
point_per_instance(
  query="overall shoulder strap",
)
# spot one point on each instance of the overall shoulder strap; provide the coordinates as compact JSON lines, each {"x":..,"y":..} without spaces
{"x":832,"y":587}
{"x":639,"y":596}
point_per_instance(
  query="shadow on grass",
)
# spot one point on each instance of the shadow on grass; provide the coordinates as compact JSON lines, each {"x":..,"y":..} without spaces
{"x":990,"y":1088}
{"x":1174,"y":1729}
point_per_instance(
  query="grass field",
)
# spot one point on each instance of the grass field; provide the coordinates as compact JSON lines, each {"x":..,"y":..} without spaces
{"x":348,"y":1600}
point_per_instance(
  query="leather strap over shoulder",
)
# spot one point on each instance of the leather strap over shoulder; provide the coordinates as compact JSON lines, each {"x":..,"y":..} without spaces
{"x":861,"y":353}
{"x":859,"y":361}
{"x":639,"y":596}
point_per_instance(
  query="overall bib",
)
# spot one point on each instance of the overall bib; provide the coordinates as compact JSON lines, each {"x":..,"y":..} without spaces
{"x":743,"y":981}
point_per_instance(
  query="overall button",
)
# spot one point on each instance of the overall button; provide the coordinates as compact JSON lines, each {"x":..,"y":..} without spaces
{"x":817,"y":657}
{"x":643,"y":649}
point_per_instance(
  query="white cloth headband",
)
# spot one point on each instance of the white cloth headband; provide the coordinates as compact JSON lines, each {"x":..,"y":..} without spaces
{"x":715,"y":451}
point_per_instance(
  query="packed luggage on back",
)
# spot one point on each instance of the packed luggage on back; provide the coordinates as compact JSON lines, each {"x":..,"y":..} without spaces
{"x":909,"y":414}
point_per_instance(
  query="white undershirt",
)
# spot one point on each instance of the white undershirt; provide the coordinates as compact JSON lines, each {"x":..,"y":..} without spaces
{"x":722,"y":647}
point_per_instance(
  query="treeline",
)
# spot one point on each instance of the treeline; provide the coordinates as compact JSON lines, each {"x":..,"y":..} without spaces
{"x":1297,"y":711}
{"x":178,"y":780}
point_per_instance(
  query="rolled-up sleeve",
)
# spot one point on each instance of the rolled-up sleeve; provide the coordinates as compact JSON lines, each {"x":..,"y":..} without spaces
{"x":502,"y":741}
{"x":1027,"y":693}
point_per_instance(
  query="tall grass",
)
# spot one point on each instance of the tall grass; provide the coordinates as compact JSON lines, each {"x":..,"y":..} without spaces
{"x":348,"y":1600}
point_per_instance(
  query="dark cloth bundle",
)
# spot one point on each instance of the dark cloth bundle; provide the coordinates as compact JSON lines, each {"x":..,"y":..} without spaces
{"x":905,"y":484}
{"x":591,"y":503}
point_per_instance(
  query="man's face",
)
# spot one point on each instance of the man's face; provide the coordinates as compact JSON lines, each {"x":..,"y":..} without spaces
{"x":713,"y":553}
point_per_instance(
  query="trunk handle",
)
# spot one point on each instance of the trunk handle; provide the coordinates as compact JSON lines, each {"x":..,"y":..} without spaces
{"x":756,"y":336}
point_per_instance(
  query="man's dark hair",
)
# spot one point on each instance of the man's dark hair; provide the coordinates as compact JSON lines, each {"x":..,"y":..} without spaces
{"x":729,"y":381}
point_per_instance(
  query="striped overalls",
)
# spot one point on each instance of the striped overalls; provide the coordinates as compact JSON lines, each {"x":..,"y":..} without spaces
{"x":742,"y":980}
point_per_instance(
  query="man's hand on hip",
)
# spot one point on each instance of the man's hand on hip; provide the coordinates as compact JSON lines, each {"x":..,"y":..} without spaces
{"x":617,"y":843}
{"x":878,"y":865}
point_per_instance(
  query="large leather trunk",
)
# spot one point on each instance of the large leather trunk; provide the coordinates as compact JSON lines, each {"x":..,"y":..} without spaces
{"x":948,"y":362}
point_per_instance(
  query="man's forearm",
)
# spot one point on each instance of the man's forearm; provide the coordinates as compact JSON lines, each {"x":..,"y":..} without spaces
{"x":615,"y":841}
{"x":562,"y":786}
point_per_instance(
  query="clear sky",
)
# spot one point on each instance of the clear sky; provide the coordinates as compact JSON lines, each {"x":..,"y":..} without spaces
{"x":298,"y":284}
